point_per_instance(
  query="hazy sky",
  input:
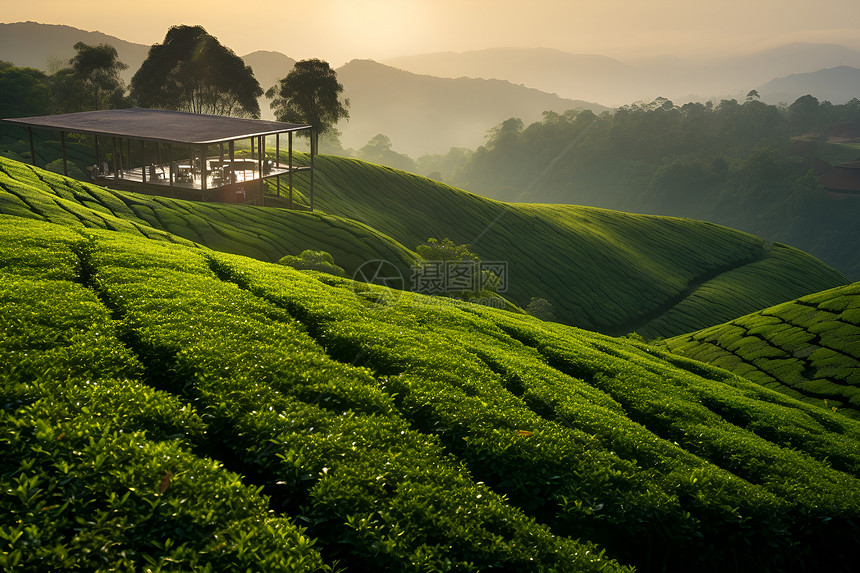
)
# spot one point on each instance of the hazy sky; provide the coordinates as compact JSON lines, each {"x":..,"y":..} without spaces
{"x":341,"y":30}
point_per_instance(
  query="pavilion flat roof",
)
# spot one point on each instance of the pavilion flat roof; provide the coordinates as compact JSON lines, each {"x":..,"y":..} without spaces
{"x":160,"y":125}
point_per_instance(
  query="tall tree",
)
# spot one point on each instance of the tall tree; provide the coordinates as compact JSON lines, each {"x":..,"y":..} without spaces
{"x":192,"y":71}
{"x":25,"y":91}
{"x":92,"y":80}
{"x":378,"y":150}
{"x":310,"y":94}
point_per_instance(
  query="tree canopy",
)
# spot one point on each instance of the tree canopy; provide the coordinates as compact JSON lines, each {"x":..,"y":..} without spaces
{"x":378,"y":150}
{"x":25,"y":91}
{"x":310,"y":94}
{"x":92,"y":81}
{"x":192,"y":71}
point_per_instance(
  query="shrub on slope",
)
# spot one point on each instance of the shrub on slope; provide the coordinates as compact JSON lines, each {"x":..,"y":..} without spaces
{"x":405,"y":432}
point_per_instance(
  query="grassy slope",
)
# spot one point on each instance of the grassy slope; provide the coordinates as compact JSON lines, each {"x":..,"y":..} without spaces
{"x":262,"y":233}
{"x":405,"y":433}
{"x":602,"y":270}
{"x":808,"y":348}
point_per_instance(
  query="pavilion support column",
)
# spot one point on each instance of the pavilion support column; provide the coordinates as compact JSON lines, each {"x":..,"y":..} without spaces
{"x":119,"y":171}
{"x":63,"y":145}
{"x":231,"y":149}
{"x":115,"y":155}
{"x":98,"y":155}
{"x":312,"y":179}
{"x":261,"y":149}
{"x":143,"y":161}
{"x":203,"y":171}
{"x":290,"y":172}
{"x":32,"y":149}
{"x":170,"y":161}
{"x":278,"y":161}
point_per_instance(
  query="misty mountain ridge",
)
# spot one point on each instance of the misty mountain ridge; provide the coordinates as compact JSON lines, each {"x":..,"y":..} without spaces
{"x":36,"y":45}
{"x":428,"y":103}
{"x":615,"y":82}
{"x":427,"y":114}
{"x":269,"y":67}
{"x":837,"y":85}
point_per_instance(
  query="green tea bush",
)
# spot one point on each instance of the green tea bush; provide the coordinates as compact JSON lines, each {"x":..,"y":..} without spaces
{"x":404,"y":432}
{"x":310,"y":260}
{"x":269,"y":393}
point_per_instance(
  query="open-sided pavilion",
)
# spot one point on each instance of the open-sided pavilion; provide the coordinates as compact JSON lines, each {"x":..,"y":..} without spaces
{"x":179,"y":154}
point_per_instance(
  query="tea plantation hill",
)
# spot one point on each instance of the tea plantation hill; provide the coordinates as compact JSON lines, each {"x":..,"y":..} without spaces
{"x":166,"y":407}
{"x":603,"y":270}
{"x":808,"y":348}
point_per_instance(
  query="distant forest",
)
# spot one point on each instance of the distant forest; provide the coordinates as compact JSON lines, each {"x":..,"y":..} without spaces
{"x":750,"y":165}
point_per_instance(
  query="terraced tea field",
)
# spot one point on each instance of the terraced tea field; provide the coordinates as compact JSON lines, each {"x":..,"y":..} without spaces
{"x":808,"y":348}
{"x":171,"y":407}
{"x":602,"y":270}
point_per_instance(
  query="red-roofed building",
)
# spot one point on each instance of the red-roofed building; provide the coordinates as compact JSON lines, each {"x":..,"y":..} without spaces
{"x":843,"y":178}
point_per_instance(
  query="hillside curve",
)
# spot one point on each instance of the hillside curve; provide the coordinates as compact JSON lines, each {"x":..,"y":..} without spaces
{"x":601,"y":270}
{"x":807,"y":348}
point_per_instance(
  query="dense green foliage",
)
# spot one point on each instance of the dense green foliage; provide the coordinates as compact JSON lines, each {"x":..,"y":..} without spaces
{"x":599,"y":269}
{"x":744,"y":165}
{"x":91,"y":82}
{"x":808,"y":348}
{"x":309,"y":260}
{"x":167,"y":405}
{"x":26,"y":91}
{"x":192,"y":71}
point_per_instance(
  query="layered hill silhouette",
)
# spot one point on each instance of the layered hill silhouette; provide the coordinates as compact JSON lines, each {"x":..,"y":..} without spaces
{"x":36,"y":45}
{"x":614,"y":82}
{"x":603,"y":270}
{"x":836,"y":85}
{"x":163,"y":404}
{"x":425,"y":114}
{"x":421,"y":114}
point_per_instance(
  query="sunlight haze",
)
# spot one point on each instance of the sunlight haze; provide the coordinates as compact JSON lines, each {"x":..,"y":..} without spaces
{"x":342,"y":30}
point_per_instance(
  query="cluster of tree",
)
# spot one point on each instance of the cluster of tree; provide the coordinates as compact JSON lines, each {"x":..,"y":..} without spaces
{"x":90,"y":81}
{"x":190,"y":71}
